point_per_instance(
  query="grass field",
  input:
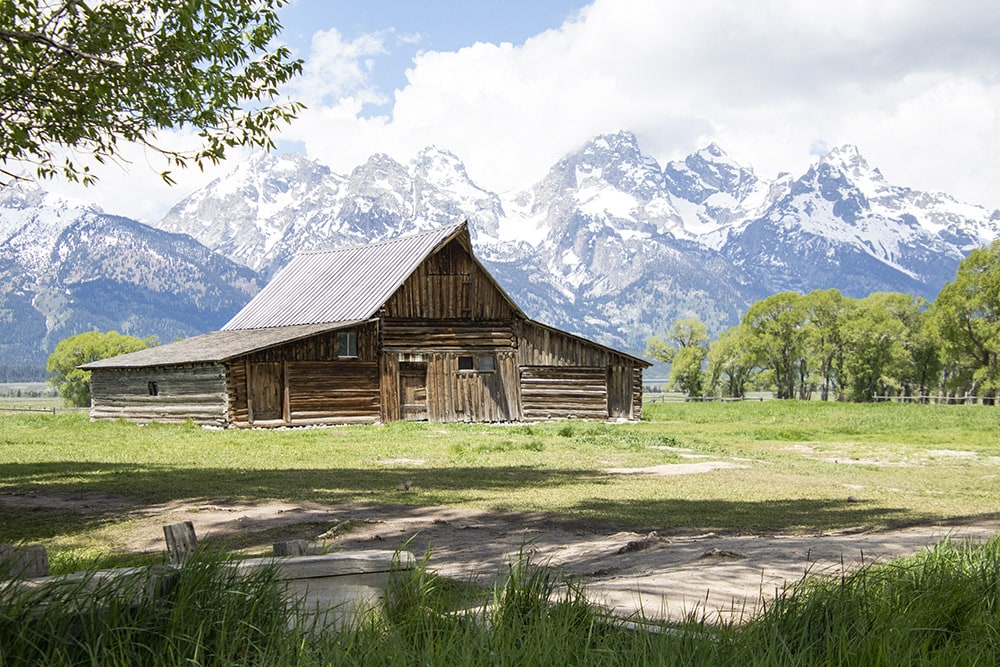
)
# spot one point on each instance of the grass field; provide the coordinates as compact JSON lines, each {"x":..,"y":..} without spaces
{"x":798,"y":467}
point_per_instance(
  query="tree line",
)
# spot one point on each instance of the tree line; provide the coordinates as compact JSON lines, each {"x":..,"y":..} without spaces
{"x":833,"y":347}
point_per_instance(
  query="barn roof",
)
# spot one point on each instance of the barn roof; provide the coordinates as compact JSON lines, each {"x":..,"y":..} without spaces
{"x":216,"y":346}
{"x":317,"y":291}
{"x":343,"y":284}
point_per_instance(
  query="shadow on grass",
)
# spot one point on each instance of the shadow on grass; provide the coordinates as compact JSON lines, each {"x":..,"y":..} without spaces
{"x":40,"y":500}
{"x":43,"y":500}
{"x":767,"y":516}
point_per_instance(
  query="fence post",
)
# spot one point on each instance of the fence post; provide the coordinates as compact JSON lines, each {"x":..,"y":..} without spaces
{"x":181,"y":541}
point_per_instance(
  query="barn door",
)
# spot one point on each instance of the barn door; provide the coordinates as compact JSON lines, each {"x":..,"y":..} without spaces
{"x":265,"y":391}
{"x":413,"y":391}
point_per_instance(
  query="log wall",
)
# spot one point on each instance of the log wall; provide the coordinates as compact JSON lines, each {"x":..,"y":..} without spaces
{"x":559,"y":392}
{"x":321,"y":391}
{"x":162,"y":394}
{"x":542,"y":351}
{"x":312,"y":384}
{"x":541,"y":346}
{"x":422,"y":335}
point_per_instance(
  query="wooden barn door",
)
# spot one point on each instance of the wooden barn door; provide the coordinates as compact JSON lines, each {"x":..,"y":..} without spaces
{"x":265,"y":391}
{"x":413,"y":391}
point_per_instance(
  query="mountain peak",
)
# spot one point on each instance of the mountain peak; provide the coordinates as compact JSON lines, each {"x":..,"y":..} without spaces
{"x":706,"y":172}
{"x":847,"y":158}
{"x":439,"y":165}
{"x":611,"y":140}
{"x":32,"y":195}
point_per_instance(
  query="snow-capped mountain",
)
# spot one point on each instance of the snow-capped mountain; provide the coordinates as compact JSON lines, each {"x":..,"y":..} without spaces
{"x":273,"y":206}
{"x":842,"y":225}
{"x":608,"y":235}
{"x":609,"y":244}
{"x":67,"y":267}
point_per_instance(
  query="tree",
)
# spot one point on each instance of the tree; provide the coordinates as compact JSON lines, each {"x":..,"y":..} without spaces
{"x":729,"y":365}
{"x":686,"y":372}
{"x":83,"y":75}
{"x":774,"y":338}
{"x":685,"y":350}
{"x":825,"y":311}
{"x":925,"y":353}
{"x":74,"y":383}
{"x":967,"y":313}
{"x":877,"y":334}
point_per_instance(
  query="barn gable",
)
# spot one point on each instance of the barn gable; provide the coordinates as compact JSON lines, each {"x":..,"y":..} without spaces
{"x":413,"y":328}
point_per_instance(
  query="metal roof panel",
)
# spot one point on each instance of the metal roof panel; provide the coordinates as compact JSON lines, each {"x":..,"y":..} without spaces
{"x":339,"y":285}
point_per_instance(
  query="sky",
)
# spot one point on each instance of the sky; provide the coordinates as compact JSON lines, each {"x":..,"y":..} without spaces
{"x":512,"y":86}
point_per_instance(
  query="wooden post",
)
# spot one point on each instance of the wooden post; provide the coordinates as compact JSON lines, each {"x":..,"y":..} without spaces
{"x":181,"y":541}
{"x":23,"y":562}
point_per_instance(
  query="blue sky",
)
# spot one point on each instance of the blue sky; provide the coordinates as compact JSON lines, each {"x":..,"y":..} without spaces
{"x":428,"y":25}
{"x":510,"y":87}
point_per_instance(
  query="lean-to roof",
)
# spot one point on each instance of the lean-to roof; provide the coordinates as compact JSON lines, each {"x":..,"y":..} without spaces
{"x":216,"y":346}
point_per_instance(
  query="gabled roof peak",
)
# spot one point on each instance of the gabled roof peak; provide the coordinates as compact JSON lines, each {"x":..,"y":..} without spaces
{"x":342,"y":284}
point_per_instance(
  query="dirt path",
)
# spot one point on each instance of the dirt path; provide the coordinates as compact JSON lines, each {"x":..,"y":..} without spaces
{"x":661,"y":574}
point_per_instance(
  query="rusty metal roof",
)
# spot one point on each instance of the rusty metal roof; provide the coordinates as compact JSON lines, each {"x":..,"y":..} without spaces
{"x":340,"y":285}
{"x":215,"y":347}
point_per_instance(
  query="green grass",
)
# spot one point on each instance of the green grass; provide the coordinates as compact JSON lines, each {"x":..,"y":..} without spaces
{"x":207,"y":614}
{"x":939,"y":607}
{"x":805,"y":467}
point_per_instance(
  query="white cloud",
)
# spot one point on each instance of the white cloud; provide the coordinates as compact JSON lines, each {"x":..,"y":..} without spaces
{"x":133,"y":187}
{"x":336,"y":69}
{"x":912,"y":82}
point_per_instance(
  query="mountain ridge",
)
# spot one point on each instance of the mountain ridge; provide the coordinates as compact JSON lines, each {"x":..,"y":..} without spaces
{"x":608,"y":244}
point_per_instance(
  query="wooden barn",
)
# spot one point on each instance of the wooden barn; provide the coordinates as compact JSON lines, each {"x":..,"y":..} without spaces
{"x":413,"y":328}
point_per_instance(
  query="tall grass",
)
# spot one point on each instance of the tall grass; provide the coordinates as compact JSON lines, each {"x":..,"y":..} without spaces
{"x":939,"y":607}
{"x":206,"y":614}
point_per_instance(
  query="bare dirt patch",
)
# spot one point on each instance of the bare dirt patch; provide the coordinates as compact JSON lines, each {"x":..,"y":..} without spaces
{"x":666,"y":574}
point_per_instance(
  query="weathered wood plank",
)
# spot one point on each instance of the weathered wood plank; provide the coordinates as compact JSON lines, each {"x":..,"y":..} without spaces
{"x":181,"y":541}
{"x":558,"y":392}
{"x":23,"y":561}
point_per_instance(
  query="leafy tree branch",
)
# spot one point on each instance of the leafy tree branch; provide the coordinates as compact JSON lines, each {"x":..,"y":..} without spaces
{"x":86,"y":76}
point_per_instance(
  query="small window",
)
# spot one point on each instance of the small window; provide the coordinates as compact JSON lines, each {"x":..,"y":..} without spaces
{"x":154,"y":389}
{"x":466,"y":363}
{"x":486,"y":365}
{"x":347,"y":344}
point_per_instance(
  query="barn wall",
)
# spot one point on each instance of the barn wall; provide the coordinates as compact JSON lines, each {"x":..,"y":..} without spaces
{"x":321,"y":390}
{"x":620,"y":392}
{"x":163,"y":394}
{"x":422,"y":335}
{"x":565,"y":376}
{"x":557,"y":392}
{"x":449,"y":285}
{"x":309,"y":383}
{"x":451,"y":393}
{"x":472,"y":395}
{"x":637,"y":393}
